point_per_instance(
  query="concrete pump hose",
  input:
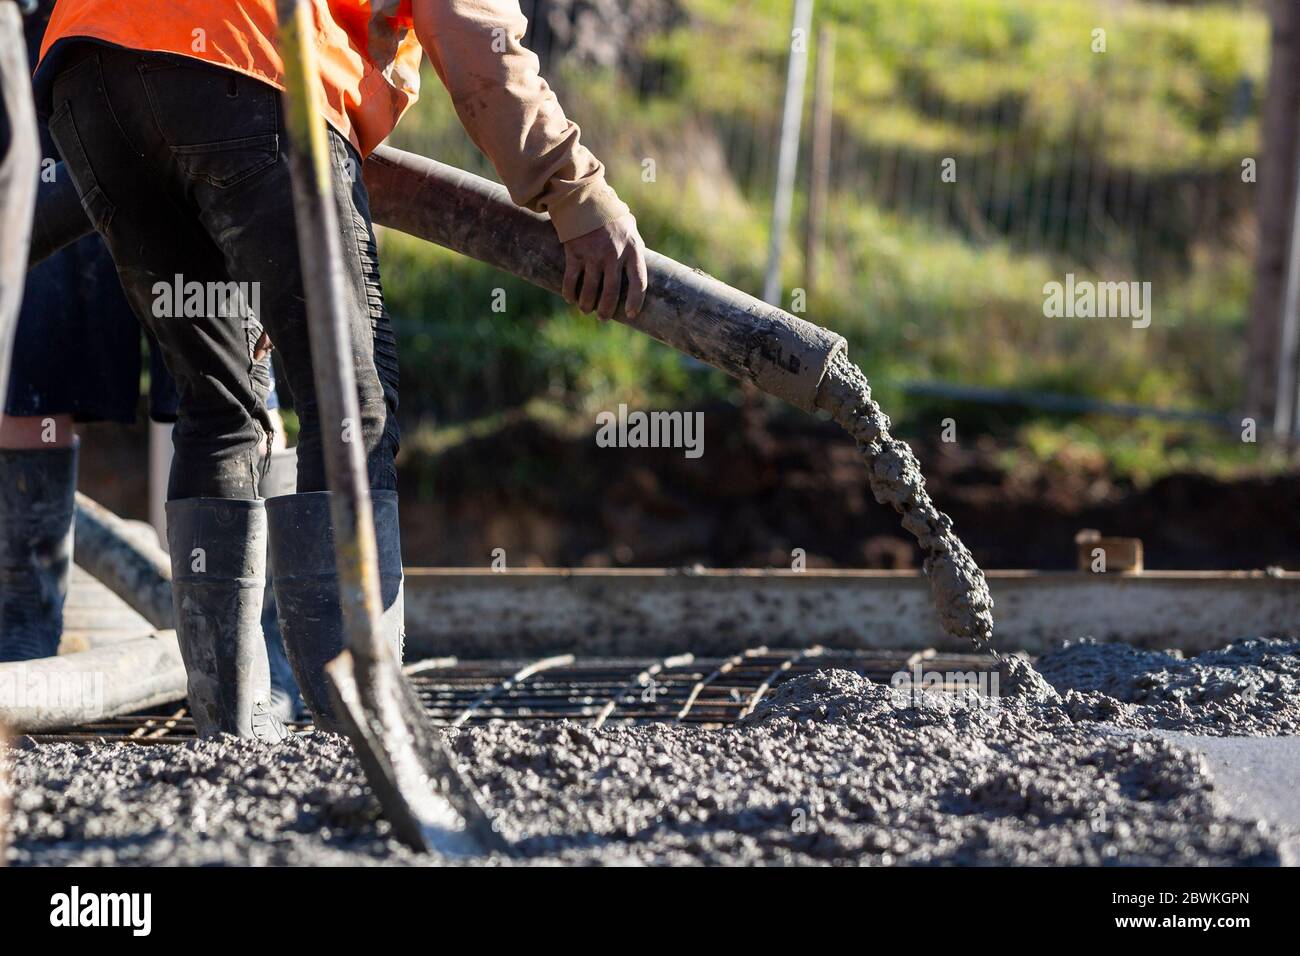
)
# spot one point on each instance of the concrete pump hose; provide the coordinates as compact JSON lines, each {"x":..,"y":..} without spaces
{"x":785,"y":356}
{"x":685,"y":308}
{"x":693,"y":312}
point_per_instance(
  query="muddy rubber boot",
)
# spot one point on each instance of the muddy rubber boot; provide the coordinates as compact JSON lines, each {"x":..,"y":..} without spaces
{"x":218,"y":552}
{"x":306,"y":588}
{"x":37,"y":505}
{"x":281,"y":478}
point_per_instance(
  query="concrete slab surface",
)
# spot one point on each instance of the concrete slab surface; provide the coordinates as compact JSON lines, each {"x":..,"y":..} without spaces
{"x":1254,"y":778}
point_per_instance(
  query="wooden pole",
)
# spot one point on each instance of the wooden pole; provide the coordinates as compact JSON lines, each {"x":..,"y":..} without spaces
{"x":424,"y":794}
{"x":336,"y":387}
{"x":788,"y":157}
{"x":1276,"y":185}
{"x":823,"y":101}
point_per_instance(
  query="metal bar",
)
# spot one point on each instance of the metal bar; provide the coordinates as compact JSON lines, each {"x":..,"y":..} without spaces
{"x":433,"y":663}
{"x":820,"y":160}
{"x":782,"y":668}
{"x":517,"y":678}
{"x":639,"y":681}
{"x":724,"y":668}
{"x":152,"y":732}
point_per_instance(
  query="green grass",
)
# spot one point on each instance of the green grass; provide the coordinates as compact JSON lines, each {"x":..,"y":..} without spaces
{"x":1178,"y":72}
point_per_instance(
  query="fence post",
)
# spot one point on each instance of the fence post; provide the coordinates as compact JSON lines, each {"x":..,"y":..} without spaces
{"x":823,"y":101}
{"x":788,"y":157}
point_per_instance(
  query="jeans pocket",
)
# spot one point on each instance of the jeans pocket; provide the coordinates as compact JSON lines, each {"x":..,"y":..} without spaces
{"x":221,"y":126}
{"x":63,"y":129}
{"x":228,"y":162}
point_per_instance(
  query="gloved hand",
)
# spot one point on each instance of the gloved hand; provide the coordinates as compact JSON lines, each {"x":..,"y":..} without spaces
{"x":598,"y":261}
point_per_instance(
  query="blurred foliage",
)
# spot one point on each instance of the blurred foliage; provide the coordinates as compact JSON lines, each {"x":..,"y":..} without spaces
{"x":1176,"y":98}
{"x":1185,"y":80}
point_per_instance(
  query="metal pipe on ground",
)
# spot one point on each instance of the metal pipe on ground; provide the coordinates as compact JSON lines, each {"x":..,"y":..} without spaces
{"x":128,"y":562}
{"x":105,"y":681}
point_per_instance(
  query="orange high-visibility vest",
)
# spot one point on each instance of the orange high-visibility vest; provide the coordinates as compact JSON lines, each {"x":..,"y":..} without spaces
{"x":369,"y":55}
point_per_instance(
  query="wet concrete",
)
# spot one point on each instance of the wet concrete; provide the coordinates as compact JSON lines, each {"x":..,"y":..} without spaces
{"x":1254,"y":778}
{"x":1250,"y":688}
{"x":829,"y":768}
{"x":961,"y":594}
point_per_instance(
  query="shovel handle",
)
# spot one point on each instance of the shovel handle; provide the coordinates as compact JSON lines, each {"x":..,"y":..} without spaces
{"x":356,"y":554}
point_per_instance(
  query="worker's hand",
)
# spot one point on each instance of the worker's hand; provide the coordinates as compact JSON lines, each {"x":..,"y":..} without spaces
{"x":598,"y":261}
{"x":263,"y":348}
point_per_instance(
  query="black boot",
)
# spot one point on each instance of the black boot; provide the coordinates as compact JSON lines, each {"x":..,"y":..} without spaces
{"x":37,"y":504}
{"x":306,"y":588}
{"x":281,"y":478}
{"x":218,"y":552}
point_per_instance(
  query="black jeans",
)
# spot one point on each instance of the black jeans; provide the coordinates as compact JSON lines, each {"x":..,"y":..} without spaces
{"x":181,"y":167}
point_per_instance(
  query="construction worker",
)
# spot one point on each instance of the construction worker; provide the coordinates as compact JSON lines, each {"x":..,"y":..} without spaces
{"x":169,"y":121}
{"x":77,"y":357}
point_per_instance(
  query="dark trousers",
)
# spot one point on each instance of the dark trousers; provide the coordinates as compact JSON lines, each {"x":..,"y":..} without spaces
{"x":181,"y":167}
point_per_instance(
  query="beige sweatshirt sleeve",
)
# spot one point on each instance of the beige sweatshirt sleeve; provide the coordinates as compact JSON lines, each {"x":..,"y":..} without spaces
{"x":511,"y":113}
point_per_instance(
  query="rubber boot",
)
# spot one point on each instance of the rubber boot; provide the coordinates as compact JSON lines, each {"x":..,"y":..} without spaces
{"x":281,"y":478}
{"x":218,"y":552}
{"x":307,"y":590}
{"x":37,"y":505}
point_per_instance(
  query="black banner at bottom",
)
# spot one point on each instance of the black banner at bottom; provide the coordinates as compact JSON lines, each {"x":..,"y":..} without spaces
{"x":340,"y":907}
